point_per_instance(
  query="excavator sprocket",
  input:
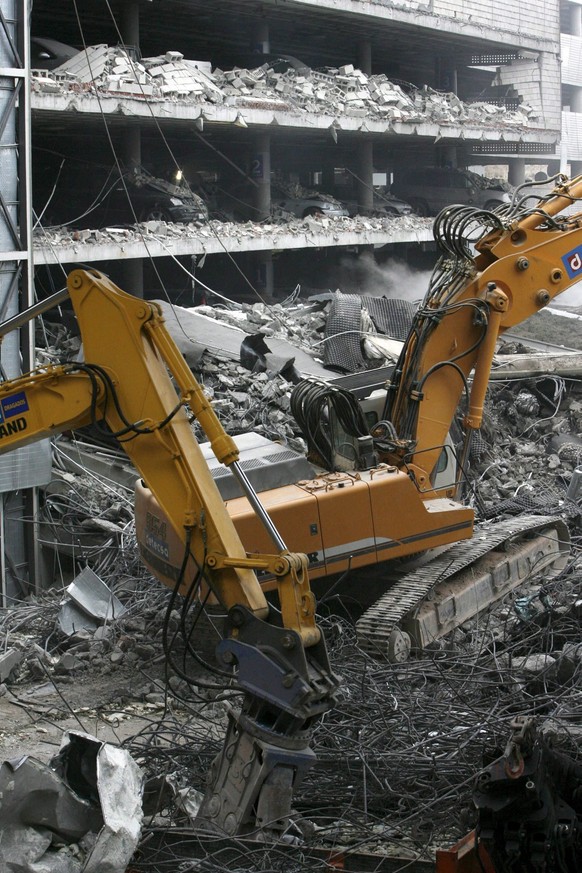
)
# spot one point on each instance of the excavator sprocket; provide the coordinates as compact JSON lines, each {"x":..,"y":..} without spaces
{"x":428,"y":602}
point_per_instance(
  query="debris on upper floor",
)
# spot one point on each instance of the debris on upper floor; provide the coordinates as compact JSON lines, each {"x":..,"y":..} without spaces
{"x":343,"y":91}
{"x":279,"y":226}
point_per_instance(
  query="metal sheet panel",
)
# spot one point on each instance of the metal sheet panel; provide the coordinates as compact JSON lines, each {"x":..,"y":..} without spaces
{"x":571,"y":50}
{"x":26,"y":467}
{"x":572,"y":135}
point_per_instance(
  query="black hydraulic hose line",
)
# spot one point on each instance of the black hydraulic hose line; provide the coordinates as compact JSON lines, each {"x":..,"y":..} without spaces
{"x":130,"y":427}
{"x":169,"y":609}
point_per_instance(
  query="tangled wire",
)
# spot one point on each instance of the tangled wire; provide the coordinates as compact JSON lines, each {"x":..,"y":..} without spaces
{"x":397,"y":757}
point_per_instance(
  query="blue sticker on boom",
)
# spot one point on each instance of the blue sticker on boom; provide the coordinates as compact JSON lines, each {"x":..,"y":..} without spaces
{"x":14,"y":405}
{"x":573,"y":262}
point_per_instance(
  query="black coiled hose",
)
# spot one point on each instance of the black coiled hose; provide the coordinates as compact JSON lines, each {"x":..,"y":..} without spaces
{"x":311,"y":405}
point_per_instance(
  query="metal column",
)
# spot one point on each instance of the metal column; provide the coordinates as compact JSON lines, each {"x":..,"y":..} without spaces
{"x":365,"y":176}
{"x":131,"y":271}
{"x":22,"y":470}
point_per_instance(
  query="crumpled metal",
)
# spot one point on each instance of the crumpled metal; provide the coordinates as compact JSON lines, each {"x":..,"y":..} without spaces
{"x":81,"y":813}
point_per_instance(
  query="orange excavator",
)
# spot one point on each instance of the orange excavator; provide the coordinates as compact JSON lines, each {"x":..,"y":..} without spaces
{"x":388,"y":485}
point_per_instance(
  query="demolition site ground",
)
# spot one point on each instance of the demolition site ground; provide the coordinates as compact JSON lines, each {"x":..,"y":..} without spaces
{"x":397,"y":757}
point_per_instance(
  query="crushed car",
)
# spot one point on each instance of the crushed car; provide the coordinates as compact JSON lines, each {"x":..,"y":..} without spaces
{"x":430,"y":189}
{"x":80,"y":196}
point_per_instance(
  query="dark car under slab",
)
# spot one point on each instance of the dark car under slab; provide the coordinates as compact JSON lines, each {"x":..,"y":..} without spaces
{"x":93,"y":197}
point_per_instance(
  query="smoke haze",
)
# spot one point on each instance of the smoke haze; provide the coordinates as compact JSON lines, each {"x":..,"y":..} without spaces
{"x":392,"y":279}
{"x":397,"y":279}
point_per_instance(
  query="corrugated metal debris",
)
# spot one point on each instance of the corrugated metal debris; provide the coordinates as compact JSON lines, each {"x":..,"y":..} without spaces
{"x":89,"y":603}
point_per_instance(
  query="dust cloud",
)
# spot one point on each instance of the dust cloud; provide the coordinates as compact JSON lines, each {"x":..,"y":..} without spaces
{"x":394,"y":278}
{"x":397,"y":279}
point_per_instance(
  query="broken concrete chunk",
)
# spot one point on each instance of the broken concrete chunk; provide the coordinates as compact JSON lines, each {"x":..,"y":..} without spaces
{"x":534,"y":664}
{"x":336,"y":90}
{"x":68,"y":663}
{"x":9,"y":661}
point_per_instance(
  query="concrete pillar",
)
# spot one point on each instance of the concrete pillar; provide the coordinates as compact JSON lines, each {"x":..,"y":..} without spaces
{"x":328,"y":177}
{"x":130,"y":23}
{"x":365,"y":56}
{"x":131,"y":273}
{"x":365,"y":173}
{"x":516,"y":174}
{"x":132,"y":270}
{"x":260,"y":172}
{"x":553,"y":168}
{"x":261,"y":39}
{"x":446,"y":75}
{"x":264,"y":274}
{"x":575,"y":19}
{"x":132,"y":146}
{"x":450,"y":157}
{"x":576,"y":99}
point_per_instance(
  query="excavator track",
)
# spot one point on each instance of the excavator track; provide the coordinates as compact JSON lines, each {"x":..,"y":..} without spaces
{"x":431,"y":600}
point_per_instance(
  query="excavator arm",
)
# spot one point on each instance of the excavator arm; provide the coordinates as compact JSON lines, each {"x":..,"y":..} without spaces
{"x":134,"y":379}
{"x":524,"y":258}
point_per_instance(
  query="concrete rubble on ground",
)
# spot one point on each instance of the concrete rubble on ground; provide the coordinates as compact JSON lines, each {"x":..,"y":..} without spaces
{"x":339,"y":92}
{"x":396,"y":756}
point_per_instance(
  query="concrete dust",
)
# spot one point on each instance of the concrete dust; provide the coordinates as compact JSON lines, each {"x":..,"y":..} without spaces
{"x":394,"y":279}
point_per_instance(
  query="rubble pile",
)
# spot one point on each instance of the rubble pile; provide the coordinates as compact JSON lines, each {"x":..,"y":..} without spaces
{"x":531,"y":443}
{"x":532,"y":431}
{"x":343,"y":91}
{"x":265,"y":350}
{"x":398,"y":755}
{"x":275,"y":229}
{"x":349,"y":91}
{"x":247,"y":401}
